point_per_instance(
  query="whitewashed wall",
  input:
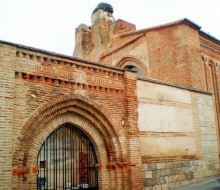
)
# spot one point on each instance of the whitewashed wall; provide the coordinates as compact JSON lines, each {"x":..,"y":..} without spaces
{"x":166,"y":121}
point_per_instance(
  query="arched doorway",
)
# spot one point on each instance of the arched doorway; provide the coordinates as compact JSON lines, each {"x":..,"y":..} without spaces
{"x":94,"y":121}
{"x":67,"y":160}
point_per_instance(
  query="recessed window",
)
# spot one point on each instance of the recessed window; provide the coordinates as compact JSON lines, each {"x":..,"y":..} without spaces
{"x":133,"y":68}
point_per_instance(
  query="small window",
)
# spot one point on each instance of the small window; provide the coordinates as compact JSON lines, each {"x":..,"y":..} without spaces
{"x":133,"y":68}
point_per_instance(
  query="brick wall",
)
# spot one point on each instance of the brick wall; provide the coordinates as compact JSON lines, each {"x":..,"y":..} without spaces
{"x":7,"y":68}
{"x":137,"y":49}
{"x":174,"y":56}
{"x":211,"y":62}
{"x":42,"y":90}
{"x":47,"y":90}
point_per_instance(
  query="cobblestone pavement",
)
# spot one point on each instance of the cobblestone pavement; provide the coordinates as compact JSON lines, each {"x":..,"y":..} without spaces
{"x":209,"y":184}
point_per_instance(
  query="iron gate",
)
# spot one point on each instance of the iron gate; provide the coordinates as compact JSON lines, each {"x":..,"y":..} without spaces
{"x":67,"y":161}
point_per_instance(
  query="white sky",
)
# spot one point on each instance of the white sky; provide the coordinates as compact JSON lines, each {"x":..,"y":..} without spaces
{"x":50,"y":24}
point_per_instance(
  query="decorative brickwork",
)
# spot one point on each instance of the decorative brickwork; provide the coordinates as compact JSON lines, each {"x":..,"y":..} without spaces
{"x":159,"y":130}
{"x":78,"y":111}
{"x":51,"y":90}
{"x":133,"y":61}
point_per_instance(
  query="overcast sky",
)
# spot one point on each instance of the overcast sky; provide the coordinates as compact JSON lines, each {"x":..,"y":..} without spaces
{"x":50,"y":24}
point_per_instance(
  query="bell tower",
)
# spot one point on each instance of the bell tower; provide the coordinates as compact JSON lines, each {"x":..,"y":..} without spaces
{"x":92,"y":42}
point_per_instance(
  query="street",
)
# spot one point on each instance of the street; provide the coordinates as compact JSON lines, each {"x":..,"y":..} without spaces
{"x":209,"y":184}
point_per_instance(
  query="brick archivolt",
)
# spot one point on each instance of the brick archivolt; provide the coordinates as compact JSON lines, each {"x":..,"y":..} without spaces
{"x":211,"y":62}
{"x":79,"y":111}
{"x":77,"y":120}
{"x":211,"y":70}
{"x":133,"y":61}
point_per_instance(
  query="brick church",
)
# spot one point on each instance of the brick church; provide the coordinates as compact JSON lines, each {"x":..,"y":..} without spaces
{"x":131,"y":109}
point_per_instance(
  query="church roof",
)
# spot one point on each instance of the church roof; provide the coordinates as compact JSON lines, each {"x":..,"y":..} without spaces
{"x":136,"y":34}
{"x":177,"y":22}
{"x":170,"y":24}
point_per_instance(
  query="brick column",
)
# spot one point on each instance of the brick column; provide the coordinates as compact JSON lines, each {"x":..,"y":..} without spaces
{"x":7,"y":73}
{"x":136,"y":180}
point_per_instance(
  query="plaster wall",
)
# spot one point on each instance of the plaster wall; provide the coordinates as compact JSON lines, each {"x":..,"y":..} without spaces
{"x":167,"y":146}
{"x":168,"y":174}
{"x":165,"y":118}
{"x":166,"y":121}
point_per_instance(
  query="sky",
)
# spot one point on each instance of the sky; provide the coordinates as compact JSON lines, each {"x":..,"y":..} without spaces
{"x":50,"y":24}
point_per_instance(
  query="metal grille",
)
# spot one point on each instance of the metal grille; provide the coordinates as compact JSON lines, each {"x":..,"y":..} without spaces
{"x":67,"y":161}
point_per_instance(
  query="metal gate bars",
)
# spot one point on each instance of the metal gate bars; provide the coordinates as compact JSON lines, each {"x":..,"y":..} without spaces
{"x":67,"y":161}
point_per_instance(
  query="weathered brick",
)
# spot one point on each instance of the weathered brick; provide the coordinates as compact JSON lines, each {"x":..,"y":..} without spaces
{"x":39,"y":91}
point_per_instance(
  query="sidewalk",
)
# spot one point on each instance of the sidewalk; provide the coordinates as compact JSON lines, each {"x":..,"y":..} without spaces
{"x":209,"y":184}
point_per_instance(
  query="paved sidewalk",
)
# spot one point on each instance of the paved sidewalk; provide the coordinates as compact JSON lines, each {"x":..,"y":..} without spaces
{"x":209,"y":184}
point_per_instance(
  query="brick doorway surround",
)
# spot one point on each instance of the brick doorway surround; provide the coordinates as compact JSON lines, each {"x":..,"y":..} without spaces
{"x":89,"y":117}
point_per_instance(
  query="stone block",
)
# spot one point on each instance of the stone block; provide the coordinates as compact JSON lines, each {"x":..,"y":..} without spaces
{"x":150,"y":182}
{"x":164,"y":186}
{"x":165,"y":172}
{"x":189,"y":176}
{"x":169,"y":165}
{"x":156,"y":173}
{"x":152,"y":166}
{"x":148,"y":174}
{"x":185,"y":169}
{"x":161,"y":180}
{"x":176,"y":171}
{"x":186,"y":164}
{"x":160,"y":165}
{"x":196,"y":175}
{"x":158,"y":187}
{"x":181,"y":177}
{"x":182,"y":183}
{"x":148,"y":188}
{"x":144,"y":167}
{"x":174,"y":185}
{"x":172,"y":178}
{"x":177,"y":164}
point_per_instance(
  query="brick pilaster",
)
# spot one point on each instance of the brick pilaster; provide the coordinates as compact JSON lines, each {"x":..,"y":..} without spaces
{"x":7,"y":73}
{"x":132,"y":128}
